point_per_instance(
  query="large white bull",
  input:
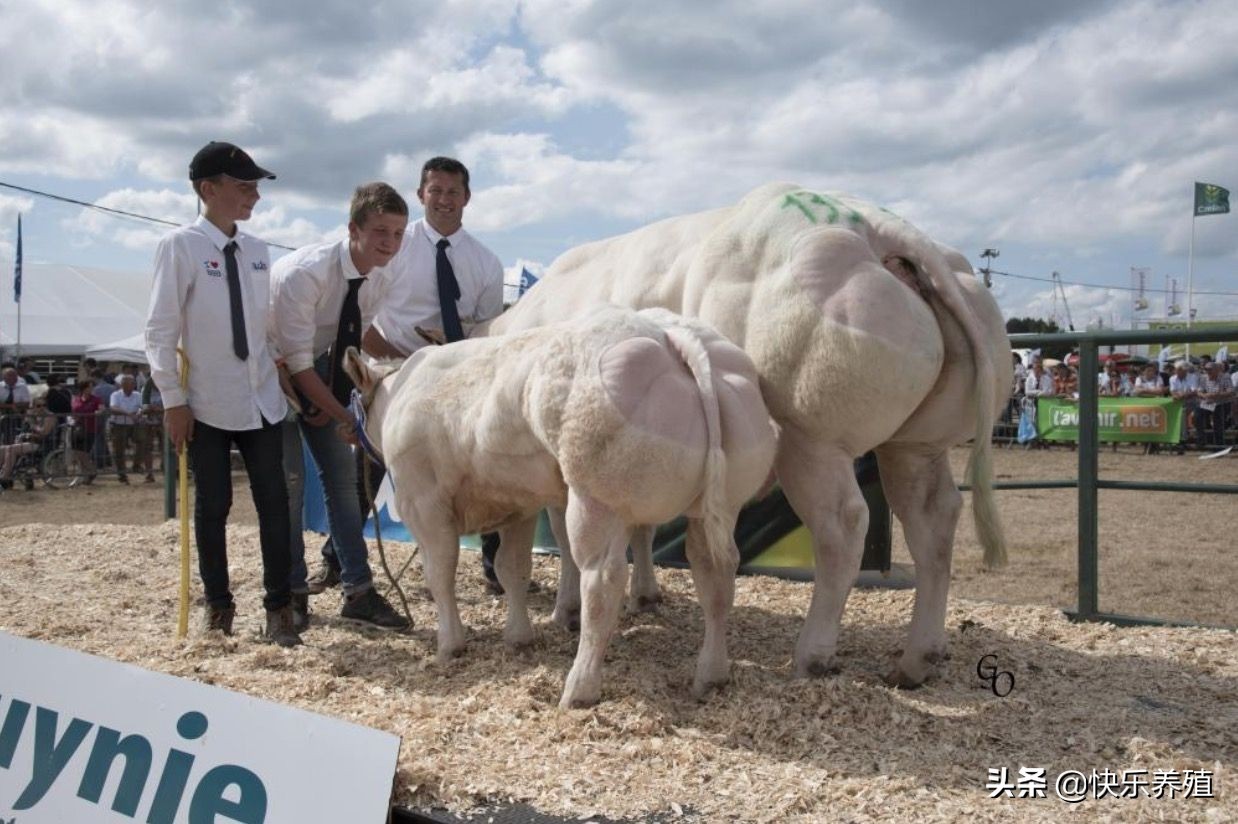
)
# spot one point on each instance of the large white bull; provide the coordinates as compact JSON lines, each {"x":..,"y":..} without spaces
{"x":621,"y":418}
{"x":866,"y":335}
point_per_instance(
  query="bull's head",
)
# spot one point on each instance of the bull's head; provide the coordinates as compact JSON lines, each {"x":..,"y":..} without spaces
{"x":366,"y":376}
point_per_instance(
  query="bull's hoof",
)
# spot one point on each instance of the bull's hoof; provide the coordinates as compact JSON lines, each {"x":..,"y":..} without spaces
{"x":644,"y":603}
{"x":702,"y":689}
{"x":446,"y":656}
{"x":519,"y":642}
{"x":817,"y":669}
{"x":578,"y":702}
{"x":900,"y":680}
{"x":568,"y":619}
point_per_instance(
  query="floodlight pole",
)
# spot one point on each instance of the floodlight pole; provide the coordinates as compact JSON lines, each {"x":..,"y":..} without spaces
{"x":989,"y":254}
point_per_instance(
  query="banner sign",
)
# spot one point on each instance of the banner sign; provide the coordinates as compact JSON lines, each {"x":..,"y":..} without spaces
{"x":85,"y":739}
{"x":1144,"y":420}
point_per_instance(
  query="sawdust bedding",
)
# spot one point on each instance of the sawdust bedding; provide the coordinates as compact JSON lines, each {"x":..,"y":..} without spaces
{"x":485,"y":729}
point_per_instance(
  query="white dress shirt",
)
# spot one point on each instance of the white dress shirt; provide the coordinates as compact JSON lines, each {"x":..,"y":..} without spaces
{"x":307,"y":294}
{"x":190,"y":305}
{"x":413,"y":299}
{"x":125,"y":408}
{"x":21,"y":392}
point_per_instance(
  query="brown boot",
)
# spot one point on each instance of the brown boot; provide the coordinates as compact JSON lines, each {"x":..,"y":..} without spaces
{"x":280,"y":627}
{"x":220,"y":618}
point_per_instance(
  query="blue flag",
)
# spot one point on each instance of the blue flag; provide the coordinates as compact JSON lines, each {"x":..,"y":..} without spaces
{"x":17,"y":266}
{"x":526,"y":281}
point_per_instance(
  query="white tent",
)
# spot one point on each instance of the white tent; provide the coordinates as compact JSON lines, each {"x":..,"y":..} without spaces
{"x":126,"y":350}
{"x":66,"y":309}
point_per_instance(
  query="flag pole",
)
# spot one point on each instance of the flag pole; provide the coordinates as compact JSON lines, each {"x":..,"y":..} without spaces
{"x":17,"y":275}
{"x":1190,"y":279}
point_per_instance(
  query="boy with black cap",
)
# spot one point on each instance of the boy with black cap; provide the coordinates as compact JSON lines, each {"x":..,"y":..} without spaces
{"x":211,"y":295}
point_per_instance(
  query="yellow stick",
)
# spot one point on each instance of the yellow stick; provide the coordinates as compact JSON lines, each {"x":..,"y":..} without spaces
{"x":182,"y":461}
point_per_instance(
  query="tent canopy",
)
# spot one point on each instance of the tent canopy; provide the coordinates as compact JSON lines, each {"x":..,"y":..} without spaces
{"x":65,"y":309}
{"x":126,"y":350}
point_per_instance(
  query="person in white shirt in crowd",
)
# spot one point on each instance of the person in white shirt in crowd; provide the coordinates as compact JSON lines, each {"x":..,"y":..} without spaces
{"x":125,"y":408}
{"x":1215,"y":394}
{"x":1184,"y":387}
{"x":323,"y":297}
{"x":211,"y":295}
{"x":440,"y":261}
{"x":1149,"y":383}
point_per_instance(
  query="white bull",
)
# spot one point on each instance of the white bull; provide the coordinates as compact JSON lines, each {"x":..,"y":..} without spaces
{"x":622,"y":418}
{"x":866,"y":335}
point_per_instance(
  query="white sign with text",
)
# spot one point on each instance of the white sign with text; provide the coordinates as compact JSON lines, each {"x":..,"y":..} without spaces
{"x":85,"y":739}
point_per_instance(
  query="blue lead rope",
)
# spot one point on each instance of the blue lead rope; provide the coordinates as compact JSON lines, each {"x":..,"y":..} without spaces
{"x":357,"y":409}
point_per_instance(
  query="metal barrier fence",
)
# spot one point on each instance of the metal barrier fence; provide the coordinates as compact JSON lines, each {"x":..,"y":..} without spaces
{"x":1088,"y":482}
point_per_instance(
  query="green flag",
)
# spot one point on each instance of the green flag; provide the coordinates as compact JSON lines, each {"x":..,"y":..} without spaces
{"x":1211,"y":200}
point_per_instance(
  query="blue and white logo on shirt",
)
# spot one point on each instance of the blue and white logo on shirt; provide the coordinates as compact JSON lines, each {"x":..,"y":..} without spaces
{"x":260,"y":265}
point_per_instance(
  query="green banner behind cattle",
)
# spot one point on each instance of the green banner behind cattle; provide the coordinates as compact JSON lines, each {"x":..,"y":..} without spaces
{"x":1145,"y":420}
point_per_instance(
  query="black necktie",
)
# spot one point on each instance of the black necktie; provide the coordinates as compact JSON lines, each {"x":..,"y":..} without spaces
{"x":448,"y":294}
{"x":347,"y":334}
{"x":240,"y":343}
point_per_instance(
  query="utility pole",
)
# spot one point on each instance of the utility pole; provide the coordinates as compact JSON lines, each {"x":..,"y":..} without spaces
{"x":987,"y":269}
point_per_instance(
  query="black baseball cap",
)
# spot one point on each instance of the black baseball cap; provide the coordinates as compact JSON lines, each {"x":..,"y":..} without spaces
{"x":220,"y":158}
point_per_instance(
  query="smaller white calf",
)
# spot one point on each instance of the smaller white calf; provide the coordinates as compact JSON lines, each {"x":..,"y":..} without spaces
{"x":621,"y":418}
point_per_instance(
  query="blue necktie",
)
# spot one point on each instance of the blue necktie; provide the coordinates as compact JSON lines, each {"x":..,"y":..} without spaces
{"x":448,"y":294}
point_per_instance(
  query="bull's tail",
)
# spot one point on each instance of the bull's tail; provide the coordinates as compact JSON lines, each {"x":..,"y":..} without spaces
{"x":719,"y":525}
{"x":980,"y":464}
{"x":979,"y":467}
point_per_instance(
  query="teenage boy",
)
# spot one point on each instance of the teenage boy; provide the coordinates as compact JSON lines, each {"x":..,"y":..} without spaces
{"x":322,"y":299}
{"x":211,"y":295}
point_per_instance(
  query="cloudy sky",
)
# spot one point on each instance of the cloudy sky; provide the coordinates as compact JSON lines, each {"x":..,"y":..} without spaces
{"x":1065,"y":133}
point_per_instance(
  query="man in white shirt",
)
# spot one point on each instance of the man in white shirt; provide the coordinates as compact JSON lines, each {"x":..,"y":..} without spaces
{"x":124,"y":407}
{"x":322,"y":298}
{"x":211,"y":295}
{"x":415,"y":299}
{"x":1184,"y":386}
{"x":14,"y":398}
{"x":440,"y":261}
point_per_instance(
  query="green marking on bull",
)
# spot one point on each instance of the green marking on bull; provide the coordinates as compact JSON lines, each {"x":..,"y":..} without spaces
{"x":792,"y":200}
{"x":831,"y":207}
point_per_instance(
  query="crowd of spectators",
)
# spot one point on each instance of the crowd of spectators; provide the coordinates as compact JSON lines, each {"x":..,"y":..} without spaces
{"x":1207,"y":388}
{"x":92,"y":411}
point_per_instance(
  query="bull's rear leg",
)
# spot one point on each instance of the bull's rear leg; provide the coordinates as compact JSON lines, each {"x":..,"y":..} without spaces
{"x":820,"y":485}
{"x":923,"y":496}
{"x":644,"y":594}
{"x":715,"y":589}
{"x":567,"y":598}
{"x":599,"y":542}
{"x":514,"y":565}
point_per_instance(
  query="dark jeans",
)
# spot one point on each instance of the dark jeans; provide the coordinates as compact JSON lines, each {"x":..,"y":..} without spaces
{"x":262,"y":451}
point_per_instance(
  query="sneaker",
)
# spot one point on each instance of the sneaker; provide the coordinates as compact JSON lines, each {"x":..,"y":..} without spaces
{"x":280,"y":629}
{"x":368,"y":607}
{"x":327,"y":576}
{"x":300,"y":611}
{"x":220,"y":618}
